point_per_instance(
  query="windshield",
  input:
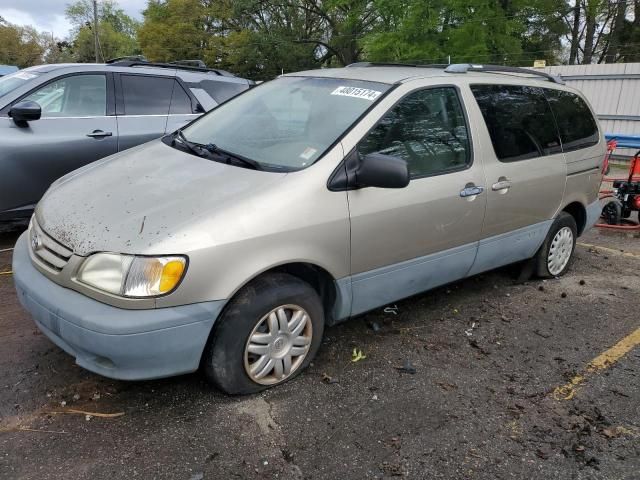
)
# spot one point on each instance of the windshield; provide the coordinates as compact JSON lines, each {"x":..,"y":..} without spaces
{"x":287,"y":123}
{"x":8,"y":83}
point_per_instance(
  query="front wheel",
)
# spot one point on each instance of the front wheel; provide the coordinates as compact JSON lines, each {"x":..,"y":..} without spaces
{"x":268,"y":334}
{"x":555,"y":254}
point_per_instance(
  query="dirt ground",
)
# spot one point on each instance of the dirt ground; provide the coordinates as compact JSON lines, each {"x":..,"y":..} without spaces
{"x":457,"y":383}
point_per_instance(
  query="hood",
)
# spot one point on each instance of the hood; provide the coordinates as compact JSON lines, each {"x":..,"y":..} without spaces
{"x":148,"y":200}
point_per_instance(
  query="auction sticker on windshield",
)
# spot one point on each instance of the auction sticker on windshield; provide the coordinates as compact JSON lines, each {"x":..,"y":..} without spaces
{"x":24,"y":75}
{"x":356,"y":92}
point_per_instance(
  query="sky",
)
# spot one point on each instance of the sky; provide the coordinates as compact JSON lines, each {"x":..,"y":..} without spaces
{"x":48,"y":15}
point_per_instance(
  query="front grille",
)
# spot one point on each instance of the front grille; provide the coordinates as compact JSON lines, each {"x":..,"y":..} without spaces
{"x":51,"y":253}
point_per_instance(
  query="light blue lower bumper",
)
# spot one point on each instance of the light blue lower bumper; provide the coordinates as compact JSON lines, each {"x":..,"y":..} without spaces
{"x":135,"y":355}
{"x":594,"y":210}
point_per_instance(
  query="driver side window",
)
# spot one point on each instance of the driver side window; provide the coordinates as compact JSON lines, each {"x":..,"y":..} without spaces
{"x":427,"y":129}
{"x":75,"y":96}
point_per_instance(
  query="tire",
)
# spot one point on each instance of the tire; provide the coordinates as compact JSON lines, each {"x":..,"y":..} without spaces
{"x":227,"y":361}
{"x":612,"y":212}
{"x":561,"y":243}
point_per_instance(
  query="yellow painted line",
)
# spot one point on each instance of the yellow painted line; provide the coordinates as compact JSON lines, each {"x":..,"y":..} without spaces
{"x":601,"y":362}
{"x":610,"y":250}
{"x":6,"y":273}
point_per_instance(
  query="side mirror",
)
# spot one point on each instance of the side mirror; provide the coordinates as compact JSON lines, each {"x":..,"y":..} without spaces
{"x":24,"y":112}
{"x":382,"y":171}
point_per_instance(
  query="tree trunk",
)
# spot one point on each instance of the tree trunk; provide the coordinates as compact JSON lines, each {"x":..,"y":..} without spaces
{"x":590,"y":33}
{"x":616,"y":34}
{"x":575,"y":34}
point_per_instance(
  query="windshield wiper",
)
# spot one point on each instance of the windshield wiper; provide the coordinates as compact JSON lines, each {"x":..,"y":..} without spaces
{"x":227,"y":157}
{"x":212,"y":152}
{"x":191,"y":146}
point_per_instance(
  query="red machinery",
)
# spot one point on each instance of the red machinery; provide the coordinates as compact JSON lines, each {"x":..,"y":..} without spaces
{"x":625,"y":195}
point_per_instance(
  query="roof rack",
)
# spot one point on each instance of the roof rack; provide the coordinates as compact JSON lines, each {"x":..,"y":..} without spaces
{"x":469,"y":67}
{"x":124,"y":62}
{"x":388,"y":64}
{"x":464,"y":68}
{"x":190,"y":63}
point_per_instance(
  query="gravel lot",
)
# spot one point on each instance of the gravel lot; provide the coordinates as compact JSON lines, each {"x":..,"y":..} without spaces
{"x":457,"y":383}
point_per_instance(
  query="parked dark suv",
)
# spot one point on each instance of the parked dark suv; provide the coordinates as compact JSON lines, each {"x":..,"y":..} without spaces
{"x":57,"y":118}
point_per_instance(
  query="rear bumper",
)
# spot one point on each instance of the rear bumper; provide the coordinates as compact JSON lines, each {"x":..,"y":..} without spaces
{"x":594,"y":210}
{"x":114,"y":348}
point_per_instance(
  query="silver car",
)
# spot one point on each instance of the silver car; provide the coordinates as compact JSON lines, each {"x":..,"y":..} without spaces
{"x":230,"y":244}
{"x":57,"y":118}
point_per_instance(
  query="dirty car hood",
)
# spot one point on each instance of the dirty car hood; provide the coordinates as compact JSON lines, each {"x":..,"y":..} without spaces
{"x":149,"y":199}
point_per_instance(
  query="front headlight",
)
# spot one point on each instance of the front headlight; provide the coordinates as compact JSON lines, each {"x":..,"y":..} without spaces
{"x":132,"y":276}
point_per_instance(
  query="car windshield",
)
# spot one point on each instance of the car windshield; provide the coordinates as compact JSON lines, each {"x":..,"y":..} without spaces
{"x":288,"y":123}
{"x":8,"y":83}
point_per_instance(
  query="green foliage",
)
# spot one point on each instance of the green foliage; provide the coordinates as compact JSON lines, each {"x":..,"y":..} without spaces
{"x":20,"y":46}
{"x":116,"y":31}
{"x":436,"y":31}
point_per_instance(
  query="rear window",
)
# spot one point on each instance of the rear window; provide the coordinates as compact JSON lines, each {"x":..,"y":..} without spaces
{"x":578,"y":129}
{"x":519,"y":120}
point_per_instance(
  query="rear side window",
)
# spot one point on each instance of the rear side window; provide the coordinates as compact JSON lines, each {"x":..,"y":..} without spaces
{"x":578,"y":129}
{"x":180,"y":101}
{"x":519,"y":120}
{"x":144,"y":95}
{"x":427,"y":129}
{"x":222,"y":91}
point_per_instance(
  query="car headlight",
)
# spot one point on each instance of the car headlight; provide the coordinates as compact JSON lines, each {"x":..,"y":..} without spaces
{"x":131,"y":275}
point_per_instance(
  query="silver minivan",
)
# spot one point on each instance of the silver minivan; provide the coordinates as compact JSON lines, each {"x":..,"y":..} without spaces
{"x":230,"y":244}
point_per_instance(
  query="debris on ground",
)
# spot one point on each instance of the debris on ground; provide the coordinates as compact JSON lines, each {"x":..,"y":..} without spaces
{"x":393,"y":310}
{"x":407,"y":367}
{"x":92,"y":414}
{"x":469,"y":331}
{"x":375,"y":326}
{"x":329,"y":379}
{"x":357,"y":355}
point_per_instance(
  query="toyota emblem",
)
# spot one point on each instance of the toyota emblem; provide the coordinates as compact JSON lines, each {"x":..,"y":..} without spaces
{"x":35,"y":241}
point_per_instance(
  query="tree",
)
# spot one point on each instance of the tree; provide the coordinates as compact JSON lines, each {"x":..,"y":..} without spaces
{"x":436,"y":31}
{"x":602,"y":31}
{"x":20,"y":46}
{"x":116,"y":31}
{"x":252,"y":38}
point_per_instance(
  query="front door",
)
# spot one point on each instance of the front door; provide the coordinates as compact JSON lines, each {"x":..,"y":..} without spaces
{"x":525,"y":170}
{"x":75,"y":129}
{"x":405,"y":241}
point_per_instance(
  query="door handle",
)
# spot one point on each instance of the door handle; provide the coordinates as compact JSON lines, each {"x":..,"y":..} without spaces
{"x":471,"y":190}
{"x":501,"y":184}
{"x":99,"y":134}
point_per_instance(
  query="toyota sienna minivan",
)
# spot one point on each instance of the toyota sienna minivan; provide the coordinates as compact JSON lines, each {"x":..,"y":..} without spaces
{"x":230,"y":244}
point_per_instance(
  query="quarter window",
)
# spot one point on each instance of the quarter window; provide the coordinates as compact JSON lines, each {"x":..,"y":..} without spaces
{"x":180,"y":101}
{"x":427,"y":129}
{"x":576,"y":124}
{"x":519,"y":120}
{"x":76,"y":96}
{"x":145,"y":95}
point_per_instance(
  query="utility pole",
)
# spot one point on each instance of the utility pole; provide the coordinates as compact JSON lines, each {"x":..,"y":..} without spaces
{"x":95,"y":28}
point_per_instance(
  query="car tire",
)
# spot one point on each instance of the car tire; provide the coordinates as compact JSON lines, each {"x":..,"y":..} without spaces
{"x":246,"y":340}
{"x":556,"y":253}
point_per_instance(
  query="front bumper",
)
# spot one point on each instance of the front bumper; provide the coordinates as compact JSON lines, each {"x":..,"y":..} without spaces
{"x":122,"y":344}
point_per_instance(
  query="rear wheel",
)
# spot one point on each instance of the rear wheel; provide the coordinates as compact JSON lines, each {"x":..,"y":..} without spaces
{"x":268,"y":334}
{"x":555,"y":254}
